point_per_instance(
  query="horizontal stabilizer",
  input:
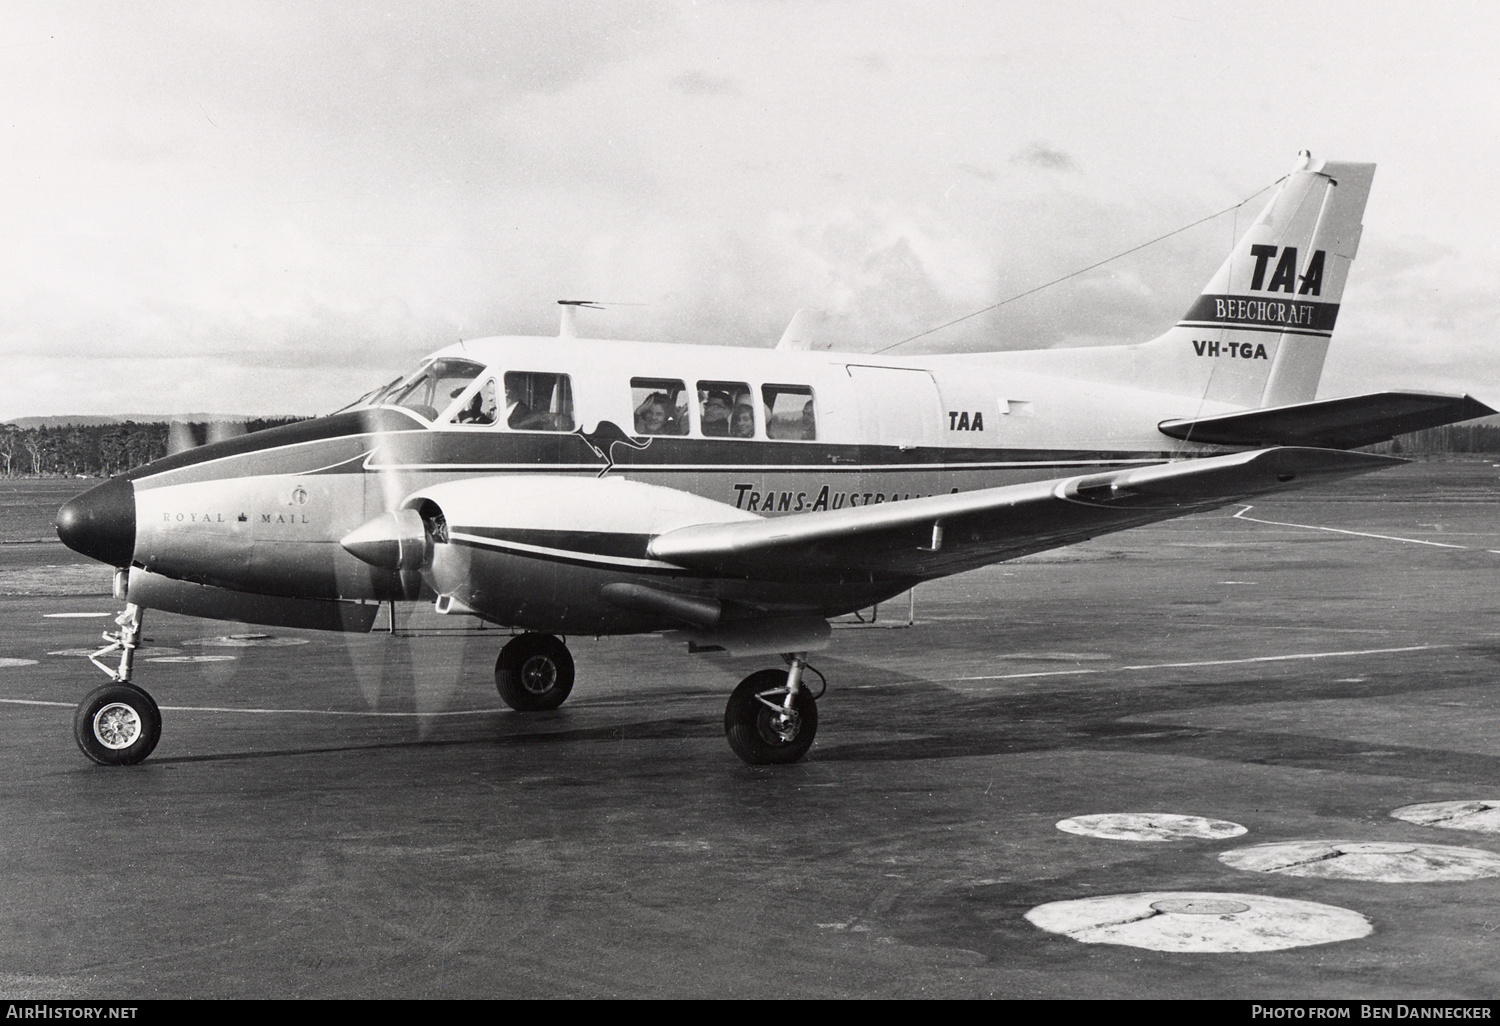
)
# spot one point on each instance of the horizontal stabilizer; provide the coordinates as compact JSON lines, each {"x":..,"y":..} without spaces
{"x":916,"y":539}
{"x":1344,"y":423}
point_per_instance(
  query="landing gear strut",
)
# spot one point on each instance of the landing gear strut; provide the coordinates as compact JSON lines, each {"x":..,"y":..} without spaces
{"x":772,"y":718}
{"x":534,"y":673}
{"x":118,"y":724}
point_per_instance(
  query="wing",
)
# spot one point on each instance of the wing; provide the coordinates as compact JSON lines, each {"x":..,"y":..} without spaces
{"x":1335,"y":423}
{"x":947,"y":534}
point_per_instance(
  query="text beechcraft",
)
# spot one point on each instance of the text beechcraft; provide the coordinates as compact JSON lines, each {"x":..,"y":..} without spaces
{"x":736,"y":499}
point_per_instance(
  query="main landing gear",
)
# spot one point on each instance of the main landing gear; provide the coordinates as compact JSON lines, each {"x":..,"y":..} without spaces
{"x":118,"y":724}
{"x":534,"y":673}
{"x":772,"y":718}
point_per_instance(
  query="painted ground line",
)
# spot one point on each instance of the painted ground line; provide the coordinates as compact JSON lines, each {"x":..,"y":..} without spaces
{"x":296,"y":712}
{"x":1339,"y":530}
{"x":1204,"y":662}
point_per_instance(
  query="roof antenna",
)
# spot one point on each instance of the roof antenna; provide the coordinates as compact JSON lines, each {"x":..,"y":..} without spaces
{"x":568,"y":328}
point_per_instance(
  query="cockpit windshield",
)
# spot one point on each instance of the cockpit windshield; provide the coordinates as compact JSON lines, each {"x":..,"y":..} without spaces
{"x":430,"y":390}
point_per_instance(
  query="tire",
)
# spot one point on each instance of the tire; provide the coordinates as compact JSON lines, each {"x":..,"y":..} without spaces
{"x":534,"y":673}
{"x":117,"y":725}
{"x":751,"y":727}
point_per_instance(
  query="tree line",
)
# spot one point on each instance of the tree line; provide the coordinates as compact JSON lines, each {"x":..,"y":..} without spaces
{"x":1450,"y":438}
{"x":103,"y":450}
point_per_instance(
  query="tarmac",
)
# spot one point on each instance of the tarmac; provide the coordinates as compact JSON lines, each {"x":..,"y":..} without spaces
{"x":1225,"y":711}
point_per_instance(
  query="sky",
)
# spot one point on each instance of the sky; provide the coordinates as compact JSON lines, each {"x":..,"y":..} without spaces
{"x":269,"y":207}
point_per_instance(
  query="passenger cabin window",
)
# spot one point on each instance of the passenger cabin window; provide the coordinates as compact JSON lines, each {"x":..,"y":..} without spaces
{"x":434,"y":387}
{"x":726,"y":409}
{"x":789,"y":412}
{"x":660,"y":406}
{"x":536,"y":401}
{"x":480,"y":408}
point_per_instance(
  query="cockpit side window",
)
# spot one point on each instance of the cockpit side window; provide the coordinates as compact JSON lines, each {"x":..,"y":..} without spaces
{"x":538,"y":401}
{"x":479,"y":408}
{"x":789,"y":412}
{"x":433,"y":388}
{"x":660,"y":406}
{"x":726,"y":409}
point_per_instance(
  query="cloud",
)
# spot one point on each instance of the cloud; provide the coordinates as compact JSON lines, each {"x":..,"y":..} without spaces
{"x":199,"y":195}
{"x":1417,"y":313}
{"x":1046,"y":158}
{"x":698,"y":83}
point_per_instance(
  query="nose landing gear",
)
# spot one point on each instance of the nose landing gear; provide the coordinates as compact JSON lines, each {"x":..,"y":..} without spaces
{"x":118,"y":724}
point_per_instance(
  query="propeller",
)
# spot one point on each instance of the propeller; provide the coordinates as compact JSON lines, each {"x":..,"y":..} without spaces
{"x":183,"y":435}
{"x":418,"y":662}
{"x":180,"y":437}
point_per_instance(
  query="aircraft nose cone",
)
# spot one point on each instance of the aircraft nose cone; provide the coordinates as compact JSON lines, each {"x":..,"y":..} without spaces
{"x":100,"y":523}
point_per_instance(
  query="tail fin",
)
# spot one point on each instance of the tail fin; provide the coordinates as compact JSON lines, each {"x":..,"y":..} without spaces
{"x":1258,"y":334}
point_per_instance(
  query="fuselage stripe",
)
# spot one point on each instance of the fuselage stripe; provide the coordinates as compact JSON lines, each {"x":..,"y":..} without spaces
{"x":559,"y":555}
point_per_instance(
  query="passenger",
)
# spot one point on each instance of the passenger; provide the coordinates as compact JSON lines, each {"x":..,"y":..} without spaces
{"x":776,"y":427}
{"x":742,"y":421}
{"x":808,"y":427}
{"x":715,"y":414}
{"x":653,"y":416}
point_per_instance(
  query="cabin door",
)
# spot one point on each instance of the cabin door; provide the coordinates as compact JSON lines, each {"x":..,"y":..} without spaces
{"x":897,"y":405}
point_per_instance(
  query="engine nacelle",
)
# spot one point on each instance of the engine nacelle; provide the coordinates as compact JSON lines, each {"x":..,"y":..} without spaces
{"x":528,"y":551}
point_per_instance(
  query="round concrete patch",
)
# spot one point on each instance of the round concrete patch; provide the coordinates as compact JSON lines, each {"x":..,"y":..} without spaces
{"x":191,"y":659}
{"x":1383,"y":862}
{"x":1199,"y":921}
{"x":86,"y":652}
{"x":247,"y":641}
{"x":1151,"y":826}
{"x":1482,"y":815}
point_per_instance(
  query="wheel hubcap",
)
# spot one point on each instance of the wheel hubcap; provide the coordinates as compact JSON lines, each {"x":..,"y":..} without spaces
{"x":538,"y":675}
{"x":117,"y":726}
{"x":777,"y":723}
{"x":786,"y":724}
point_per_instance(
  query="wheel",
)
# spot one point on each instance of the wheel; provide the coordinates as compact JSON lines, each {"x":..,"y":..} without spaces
{"x":534,"y":673}
{"x":117,"y":725}
{"x":758,"y":728}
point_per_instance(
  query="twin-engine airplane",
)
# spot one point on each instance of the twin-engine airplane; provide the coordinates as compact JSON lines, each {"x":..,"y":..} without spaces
{"x":732,"y":498}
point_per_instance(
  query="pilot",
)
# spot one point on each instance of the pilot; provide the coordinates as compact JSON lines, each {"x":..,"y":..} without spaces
{"x":652,"y":417}
{"x":481,"y":408}
{"x":715,"y":414}
{"x":517,"y":413}
{"x":742,"y":421}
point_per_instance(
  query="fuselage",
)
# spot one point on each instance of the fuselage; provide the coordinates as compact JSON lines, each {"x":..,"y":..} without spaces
{"x":737,"y":432}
